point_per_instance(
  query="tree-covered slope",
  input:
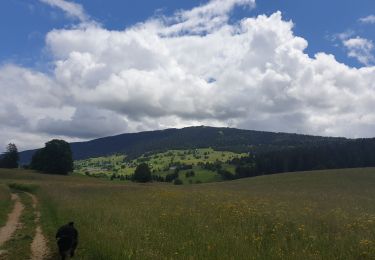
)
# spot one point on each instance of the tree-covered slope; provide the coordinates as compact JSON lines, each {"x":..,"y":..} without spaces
{"x":229,"y":139}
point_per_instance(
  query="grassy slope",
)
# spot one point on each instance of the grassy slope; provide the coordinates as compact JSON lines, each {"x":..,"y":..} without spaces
{"x":157,"y":162}
{"x":315,"y":215}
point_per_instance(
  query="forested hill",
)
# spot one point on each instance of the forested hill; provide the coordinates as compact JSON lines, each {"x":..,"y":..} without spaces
{"x":229,"y":139}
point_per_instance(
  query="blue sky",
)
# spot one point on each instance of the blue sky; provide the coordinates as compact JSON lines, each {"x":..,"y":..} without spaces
{"x":83,"y":69}
{"x":24,"y":23}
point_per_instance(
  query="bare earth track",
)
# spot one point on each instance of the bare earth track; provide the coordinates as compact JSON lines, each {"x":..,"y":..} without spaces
{"x":13,"y":223}
{"x":39,"y":249}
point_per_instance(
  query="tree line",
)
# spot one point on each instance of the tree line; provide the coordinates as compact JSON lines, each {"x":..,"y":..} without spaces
{"x":349,"y":154}
{"x":55,"y":158}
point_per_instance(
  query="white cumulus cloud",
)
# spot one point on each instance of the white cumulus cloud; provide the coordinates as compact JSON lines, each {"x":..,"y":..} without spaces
{"x":368,"y":19}
{"x":204,"y":18}
{"x":361,"y":49}
{"x":72,"y":9}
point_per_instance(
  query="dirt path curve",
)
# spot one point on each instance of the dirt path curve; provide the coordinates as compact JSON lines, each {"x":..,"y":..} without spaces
{"x":39,"y":248}
{"x":13,"y":223}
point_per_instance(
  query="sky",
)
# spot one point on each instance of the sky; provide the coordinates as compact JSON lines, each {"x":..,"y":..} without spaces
{"x":79,"y":70}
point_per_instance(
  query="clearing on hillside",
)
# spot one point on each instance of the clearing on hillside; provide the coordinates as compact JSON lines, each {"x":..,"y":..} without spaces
{"x":162,"y":163}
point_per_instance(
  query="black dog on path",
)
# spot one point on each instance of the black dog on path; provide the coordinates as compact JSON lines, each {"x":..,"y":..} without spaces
{"x":67,"y":240}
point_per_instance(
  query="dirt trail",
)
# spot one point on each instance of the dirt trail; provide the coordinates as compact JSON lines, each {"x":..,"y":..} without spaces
{"x":13,"y":223}
{"x":39,"y":248}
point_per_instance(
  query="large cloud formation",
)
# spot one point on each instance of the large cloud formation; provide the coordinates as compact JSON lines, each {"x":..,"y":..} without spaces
{"x":189,"y":69}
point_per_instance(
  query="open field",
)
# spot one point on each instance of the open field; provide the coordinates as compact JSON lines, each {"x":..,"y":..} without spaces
{"x":312,"y":215}
{"x":200,"y":176}
{"x":160,"y":163}
{"x":4,"y":203}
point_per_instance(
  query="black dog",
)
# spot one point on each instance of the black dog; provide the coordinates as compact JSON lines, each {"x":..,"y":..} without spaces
{"x":67,"y":240}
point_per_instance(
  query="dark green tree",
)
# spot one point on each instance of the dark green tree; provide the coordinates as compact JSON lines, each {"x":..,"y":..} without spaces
{"x":226,"y":175}
{"x":55,"y":158}
{"x":177,"y":182}
{"x":10,"y":158}
{"x":142,"y":173}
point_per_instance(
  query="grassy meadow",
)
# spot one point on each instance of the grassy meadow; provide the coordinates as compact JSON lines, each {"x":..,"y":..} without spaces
{"x":159,"y":163}
{"x":310,"y":215}
{"x":5,"y":203}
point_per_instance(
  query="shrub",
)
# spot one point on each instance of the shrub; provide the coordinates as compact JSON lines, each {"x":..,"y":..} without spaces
{"x":189,"y":174}
{"x":226,"y":175}
{"x":171,"y":176}
{"x":177,"y":182}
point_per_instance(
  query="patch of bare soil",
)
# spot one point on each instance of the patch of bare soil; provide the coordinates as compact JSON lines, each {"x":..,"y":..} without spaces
{"x":13,"y":222}
{"x":39,"y":248}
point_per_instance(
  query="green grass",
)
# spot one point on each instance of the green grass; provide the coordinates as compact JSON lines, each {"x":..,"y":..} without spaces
{"x":311,"y":215}
{"x":18,"y":247}
{"x":23,"y":187}
{"x":158,"y":162}
{"x":5,"y":204}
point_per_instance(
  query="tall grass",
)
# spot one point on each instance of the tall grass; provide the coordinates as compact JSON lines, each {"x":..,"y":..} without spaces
{"x":321,"y":215}
{"x":23,"y":187}
{"x":5,"y":204}
{"x":315,"y":215}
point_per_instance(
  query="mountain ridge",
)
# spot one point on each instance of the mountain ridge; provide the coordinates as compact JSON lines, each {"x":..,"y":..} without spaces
{"x":219,"y":138}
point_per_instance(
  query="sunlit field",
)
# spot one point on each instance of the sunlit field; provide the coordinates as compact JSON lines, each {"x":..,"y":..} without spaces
{"x":312,"y":215}
{"x":159,"y":163}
